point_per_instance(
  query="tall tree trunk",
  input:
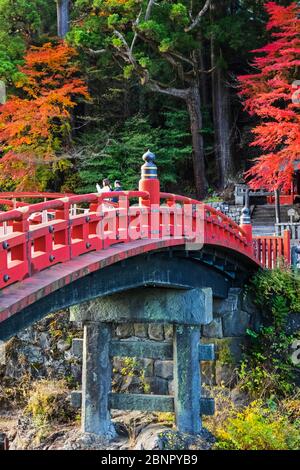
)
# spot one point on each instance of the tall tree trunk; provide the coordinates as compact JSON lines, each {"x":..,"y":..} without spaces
{"x":193,"y":102}
{"x":222,"y":125}
{"x":221,"y":105}
{"x":62,"y":7}
{"x":203,"y":78}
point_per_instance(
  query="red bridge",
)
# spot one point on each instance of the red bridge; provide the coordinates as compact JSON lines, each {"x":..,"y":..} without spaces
{"x":70,"y":248}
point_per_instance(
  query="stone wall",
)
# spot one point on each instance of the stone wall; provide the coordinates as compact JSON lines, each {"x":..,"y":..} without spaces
{"x":232,"y":317}
{"x":44,"y":350}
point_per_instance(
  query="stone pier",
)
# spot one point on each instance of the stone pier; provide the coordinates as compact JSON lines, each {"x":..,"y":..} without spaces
{"x":187,"y":311}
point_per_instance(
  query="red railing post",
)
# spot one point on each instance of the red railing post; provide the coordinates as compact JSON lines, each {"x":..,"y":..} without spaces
{"x":149,"y":181}
{"x":287,"y":247}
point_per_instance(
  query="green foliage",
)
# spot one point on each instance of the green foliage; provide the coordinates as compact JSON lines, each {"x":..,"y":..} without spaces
{"x":267,"y":369}
{"x":132,"y":367}
{"x":259,"y":427}
{"x":179,"y":14}
{"x":279,"y":289}
{"x":117,"y":154}
{"x":20,"y":23}
{"x":163,"y":51}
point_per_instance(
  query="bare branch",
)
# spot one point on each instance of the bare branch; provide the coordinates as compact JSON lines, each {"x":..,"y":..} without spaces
{"x":160,"y":88}
{"x":127,"y":55}
{"x":136,"y":23}
{"x":198,"y":17}
{"x":120,"y":36}
{"x":148,"y":10}
{"x":97,"y":52}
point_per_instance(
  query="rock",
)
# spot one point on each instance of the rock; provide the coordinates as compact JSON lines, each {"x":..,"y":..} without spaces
{"x":230,"y":350}
{"x":44,"y":341}
{"x":248,"y":304}
{"x":56,"y":368}
{"x":28,"y":335}
{"x":157,"y":385}
{"x":76,"y":371}
{"x":130,"y":383}
{"x":240,"y":399}
{"x":118,"y":364}
{"x":131,"y":423}
{"x":141,"y":330}
{"x":149,"y":438}
{"x":158,"y":437}
{"x":82,"y":441}
{"x":156,"y":331}
{"x":33,"y":354}
{"x":25,"y":435}
{"x":214,"y":329}
{"x":225,"y":374}
{"x":62,"y":345}
{"x":293,"y":323}
{"x":163,"y":369}
{"x":236,"y":323}
{"x":208,"y":373}
{"x":13,"y":370}
{"x":146,"y":365}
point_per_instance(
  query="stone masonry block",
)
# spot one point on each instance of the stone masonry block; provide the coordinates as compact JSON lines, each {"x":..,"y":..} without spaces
{"x":168,"y":329}
{"x":236,"y":323}
{"x":157,"y":385}
{"x":214,"y":329}
{"x":163,"y":369}
{"x":156,"y":331}
{"x":125,"y":330}
{"x":140,"y":330}
{"x":184,"y":307}
{"x":231,"y":304}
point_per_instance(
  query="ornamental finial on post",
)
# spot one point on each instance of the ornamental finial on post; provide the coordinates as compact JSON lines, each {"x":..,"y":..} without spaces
{"x":149,"y":169}
{"x":245,"y":216}
{"x":149,"y":181}
{"x":245,"y":221}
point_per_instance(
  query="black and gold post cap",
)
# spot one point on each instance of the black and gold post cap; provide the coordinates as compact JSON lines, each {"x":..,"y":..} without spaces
{"x":149,"y":169}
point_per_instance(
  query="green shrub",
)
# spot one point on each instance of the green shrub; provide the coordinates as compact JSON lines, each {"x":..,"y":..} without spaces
{"x":267,"y":369}
{"x":48,"y":403}
{"x":277,"y":288}
{"x":258,"y":427}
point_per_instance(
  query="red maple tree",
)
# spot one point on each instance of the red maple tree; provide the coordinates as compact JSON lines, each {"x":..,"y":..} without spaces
{"x":272,"y":95}
{"x":35,"y":127}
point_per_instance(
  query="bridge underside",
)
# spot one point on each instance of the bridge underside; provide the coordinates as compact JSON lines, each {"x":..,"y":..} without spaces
{"x":169,"y":267}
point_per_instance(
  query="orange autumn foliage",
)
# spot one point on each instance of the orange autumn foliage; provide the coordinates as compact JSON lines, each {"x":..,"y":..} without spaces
{"x":272,"y":95}
{"x":35,"y":126}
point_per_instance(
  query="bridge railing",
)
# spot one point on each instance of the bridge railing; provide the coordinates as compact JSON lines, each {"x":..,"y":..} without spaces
{"x":36,"y":236}
{"x":273,"y":251}
{"x":218,"y":228}
{"x":28,"y":245}
{"x":293,"y":227}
